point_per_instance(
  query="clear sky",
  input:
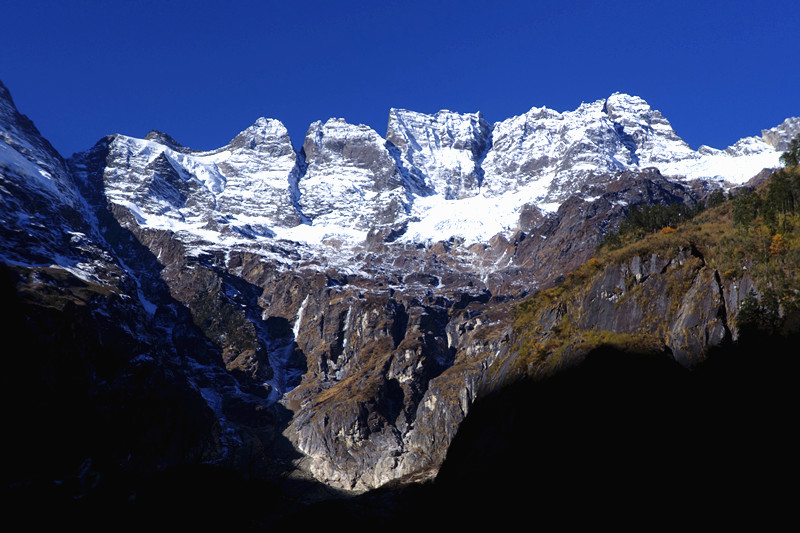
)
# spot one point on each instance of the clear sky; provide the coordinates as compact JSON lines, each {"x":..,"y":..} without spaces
{"x":202,"y":71}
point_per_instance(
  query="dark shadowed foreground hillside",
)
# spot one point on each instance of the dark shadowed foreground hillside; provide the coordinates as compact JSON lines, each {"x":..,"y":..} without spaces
{"x":634,"y":438}
{"x":625,"y":439}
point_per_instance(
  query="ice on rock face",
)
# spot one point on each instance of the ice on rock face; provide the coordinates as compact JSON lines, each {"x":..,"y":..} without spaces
{"x":44,"y":219}
{"x":351,"y":180}
{"x":441,"y":153}
{"x":554,"y":150}
{"x":268,"y":137}
{"x":242,"y":188}
{"x":653,"y":138}
{"x":259,"y":166}
{"x":165,"y":139}
{"x":156,"y":178}
{"x":781,"y":135}
{"x":26,"y":154}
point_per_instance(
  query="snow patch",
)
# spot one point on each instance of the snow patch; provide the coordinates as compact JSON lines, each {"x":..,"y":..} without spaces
{"x":299,"y":319}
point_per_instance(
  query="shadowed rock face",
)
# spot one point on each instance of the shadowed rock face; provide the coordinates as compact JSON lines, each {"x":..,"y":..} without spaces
{"x":634,"y":428}
{"x":622,"y":438}
{"x":93,"y":398}
{"x":42,"y":213}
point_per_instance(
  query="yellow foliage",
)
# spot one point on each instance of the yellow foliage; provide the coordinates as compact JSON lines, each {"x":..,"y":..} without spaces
{"x":777,"y":246}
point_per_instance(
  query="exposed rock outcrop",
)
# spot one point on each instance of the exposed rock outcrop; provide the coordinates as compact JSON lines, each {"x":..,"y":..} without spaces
{"x":781,"y":135}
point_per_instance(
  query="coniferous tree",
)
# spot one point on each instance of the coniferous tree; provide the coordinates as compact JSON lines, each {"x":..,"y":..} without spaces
{"x":749,"y":314}
{"x":715,"y":198}
{"x":791,"y":157}
{"x":746,"y":207}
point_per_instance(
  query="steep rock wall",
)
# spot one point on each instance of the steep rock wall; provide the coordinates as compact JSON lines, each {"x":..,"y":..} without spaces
{"x":670,"y":302}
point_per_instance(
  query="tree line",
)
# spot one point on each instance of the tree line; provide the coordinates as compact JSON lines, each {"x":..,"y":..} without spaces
{"x":642,"y":219}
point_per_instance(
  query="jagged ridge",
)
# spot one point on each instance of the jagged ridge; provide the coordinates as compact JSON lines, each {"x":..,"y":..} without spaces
{"x":435,"y":176}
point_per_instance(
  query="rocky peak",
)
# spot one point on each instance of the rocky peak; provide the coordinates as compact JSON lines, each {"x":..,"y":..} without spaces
{"x":780,"y":136}
{"x":166,"y":140}
{"x":355,"y":146}
{"x":625,"y":108}
{"x":8,"y":111}
{"x":748,"y":146}
{"x":15,"y":125}
{"x":28,"y":153}
{"x":547,"y":151}
{"x":44,"y":219}
{"x":261,"y":170}
{"x":653,"y":137}
{"x":620,"y":105}
{"x":267,"y":137}
{"x":441,"y":153}
{"x":351,"y":180}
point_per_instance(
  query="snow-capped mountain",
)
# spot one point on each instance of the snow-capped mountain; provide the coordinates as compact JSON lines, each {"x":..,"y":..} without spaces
{"x":324,"y":312}
{"x":244,"y":189}
{"x":554,"y":155}
{"x":441,"y":176}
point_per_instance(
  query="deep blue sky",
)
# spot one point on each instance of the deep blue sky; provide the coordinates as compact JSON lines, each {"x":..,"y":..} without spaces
{"x":203,"y":71}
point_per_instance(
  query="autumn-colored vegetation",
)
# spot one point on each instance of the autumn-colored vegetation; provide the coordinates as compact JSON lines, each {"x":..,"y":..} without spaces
{"x":753,"y":234}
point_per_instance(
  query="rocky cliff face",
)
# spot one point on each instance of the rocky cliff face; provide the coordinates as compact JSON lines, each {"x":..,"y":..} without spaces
{"x":351,"y":180}
{"x":440,"y":153}
{"x":331,"y":314}
{"x":667,"y":301}
{"x":781,"y":135}
{"x":43,"y":214}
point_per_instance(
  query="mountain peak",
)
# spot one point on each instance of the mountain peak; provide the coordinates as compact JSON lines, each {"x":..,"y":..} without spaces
{"x":165,"y":139}
{"x":619,"y":104}
{"x":440,"y":151}
{"x":266,"y":134}
{"x":781,"y":135}
{"x":5,"y":94}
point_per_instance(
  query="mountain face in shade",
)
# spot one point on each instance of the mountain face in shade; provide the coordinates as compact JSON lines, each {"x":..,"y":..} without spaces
{"x":43,"y":215}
